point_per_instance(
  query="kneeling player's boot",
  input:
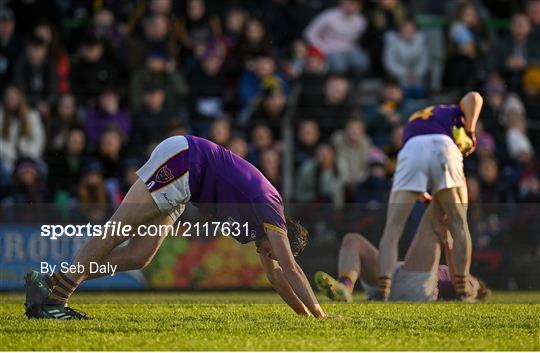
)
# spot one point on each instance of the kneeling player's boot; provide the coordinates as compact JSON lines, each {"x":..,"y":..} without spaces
{"x":58,"y":311}
{"x":332,"y":288}
{"x":37,"y":289}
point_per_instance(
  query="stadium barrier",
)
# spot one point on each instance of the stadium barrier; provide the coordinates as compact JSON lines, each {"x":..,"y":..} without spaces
{"x":505,"y":236}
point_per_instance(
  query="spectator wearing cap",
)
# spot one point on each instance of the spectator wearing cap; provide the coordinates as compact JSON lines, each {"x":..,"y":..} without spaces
{"x":319,"y":179}
{"x":264,"y":75}
{"x":352,"y":147}
{"x":65,"y":165}
{"x":158,"y":71}
{"x":315,"y":62}
{"x":406,"y":57}
{"x":151,"y":122}
{"x":21,"y":130}
{"x":36,"y":74}
{"x":11,"y":47}
{"x":107,"y":113}
{"x":312,"y":81}
{"x":337,"y":31}
{"x":28,"y":182}
{"x":314,"y":75}
{"x":91,"y":71}
{"x":375,"y":189}
{"x":207,"y":88}
{"x":512,"y":55}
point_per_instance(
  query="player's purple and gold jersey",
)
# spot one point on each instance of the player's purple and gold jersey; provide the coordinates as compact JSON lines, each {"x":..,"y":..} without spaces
{"x":435,"y":119}
{"x":234,"y":189}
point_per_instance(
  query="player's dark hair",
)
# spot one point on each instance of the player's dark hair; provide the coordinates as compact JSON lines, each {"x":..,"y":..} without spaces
{"x":298,"y":236}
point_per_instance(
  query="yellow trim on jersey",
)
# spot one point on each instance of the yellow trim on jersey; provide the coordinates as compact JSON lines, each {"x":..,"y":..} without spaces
{"x":274,"y":228}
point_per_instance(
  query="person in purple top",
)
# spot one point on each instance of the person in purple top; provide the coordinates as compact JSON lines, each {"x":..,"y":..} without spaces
{"x":419,"y":278}
{"x":185,"y":169}
{"x":435,"y":140}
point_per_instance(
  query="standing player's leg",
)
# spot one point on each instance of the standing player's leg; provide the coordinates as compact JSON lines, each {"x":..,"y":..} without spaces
{"x":400,"y":206}
{"x":416,"y":279}
{"x":454,"y":203}
{"x":424,"y":253}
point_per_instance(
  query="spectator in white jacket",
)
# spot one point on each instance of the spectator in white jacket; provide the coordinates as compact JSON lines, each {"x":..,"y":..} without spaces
{"x":21,"y":130}
{"x":336,"y":32}
{"x":405,"y":57}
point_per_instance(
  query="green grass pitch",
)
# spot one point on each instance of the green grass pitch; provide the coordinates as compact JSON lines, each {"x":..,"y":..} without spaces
{"x":257,"y":321}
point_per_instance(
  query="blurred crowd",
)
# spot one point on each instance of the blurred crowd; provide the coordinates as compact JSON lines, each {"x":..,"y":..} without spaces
{"x":88,"y":88}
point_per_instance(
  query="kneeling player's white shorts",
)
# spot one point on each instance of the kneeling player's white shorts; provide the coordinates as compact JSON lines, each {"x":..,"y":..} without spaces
{"x":166,"y":175}
{"x":429,"y":162}
{"x":409,"y":286}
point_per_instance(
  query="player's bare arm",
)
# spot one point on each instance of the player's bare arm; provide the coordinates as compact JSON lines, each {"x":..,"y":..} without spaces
{"x":293,"y":273}
{"x":275,"y":275}
{"x":471,"y":105}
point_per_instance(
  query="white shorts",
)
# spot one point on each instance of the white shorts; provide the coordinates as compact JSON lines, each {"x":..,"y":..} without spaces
{"x":166,"y":175}
{"x":409,"y":286}
{"x":429,"y":162}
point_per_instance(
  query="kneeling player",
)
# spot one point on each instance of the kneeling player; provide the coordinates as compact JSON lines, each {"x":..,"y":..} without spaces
{"x":420,"y":278}
{"x":186,"y":169}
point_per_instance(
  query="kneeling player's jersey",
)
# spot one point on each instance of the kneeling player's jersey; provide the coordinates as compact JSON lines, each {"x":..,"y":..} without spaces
{"x":233,"y":190}
{"x":435,"y":119}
